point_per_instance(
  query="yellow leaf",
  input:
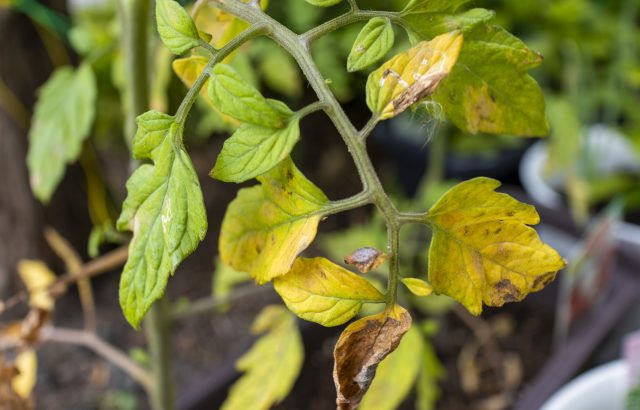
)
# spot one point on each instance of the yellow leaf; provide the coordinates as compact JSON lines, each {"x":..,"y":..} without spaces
{"x":396,"y":374}
{"x":413,"y":75}
{"x":482,"y":249}
{"x":417,"y":286}
{"x":27,"y":365}
{"x":359,"y":350}
{"x":37,"y":278}
{"x":272,"y":365}
{"x":267,"y":226}
{"x":320,"y":291}
{"x":188,"y":69}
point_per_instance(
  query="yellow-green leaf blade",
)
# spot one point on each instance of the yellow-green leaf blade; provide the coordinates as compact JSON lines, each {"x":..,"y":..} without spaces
{"x":234,"y":97}
{"x":272,"y":365}
{"x":253,"y":150}
{"x":483,"y":250}
{"x":320,"y":291}
{"x":62,"y":120}
{"x":165,"y":210}
{"x":323,"y":3}
{"x":284,"y":209}
{"x":417,"y":286}
{"x":176,"y":28}
{"x":412,"y":75}
{"x":373,"y":42}
{"x":396,"y":374}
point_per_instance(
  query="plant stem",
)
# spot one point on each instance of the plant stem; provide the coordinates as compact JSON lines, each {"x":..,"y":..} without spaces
{"x":158,"y":329}
{"x":311,"y":108}
{"x":297,"y":46}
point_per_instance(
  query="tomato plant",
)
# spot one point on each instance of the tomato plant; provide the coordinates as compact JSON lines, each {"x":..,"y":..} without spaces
{"x":483,"y":250}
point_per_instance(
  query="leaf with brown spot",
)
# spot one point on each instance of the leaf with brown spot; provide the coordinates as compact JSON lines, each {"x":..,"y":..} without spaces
{"x":483,"y":250}
{"x":413,"y":75}
{"x":366,"y":259}
{"x":359,"y":350}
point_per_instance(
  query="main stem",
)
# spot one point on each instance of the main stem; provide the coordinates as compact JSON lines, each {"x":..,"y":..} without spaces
{"x":297,"y":46}
{"x":134,"y":15}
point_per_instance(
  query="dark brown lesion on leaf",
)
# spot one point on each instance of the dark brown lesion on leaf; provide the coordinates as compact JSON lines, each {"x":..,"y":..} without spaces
{"x":543,"y":280}
{"x":422,"y":88}
{"x":507,"y":292}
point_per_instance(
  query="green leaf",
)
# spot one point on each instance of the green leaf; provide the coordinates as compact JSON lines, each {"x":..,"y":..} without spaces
{"x":253,"y":150}
{"x":429,"y":25}
{"x":62,"y":119}
{"x":323,"y":3}
{"x":373,"y":42}
{"x":267,"y":226}
{"x":320,"y":291}
{"x":433,"y":6}
{"x":176,"y":28}
{"x":164,"y":209}
{"x":417,"y":286}
{"x":483,"y":249}
{"x":233,"y":96}
{"x":412,"y":75}
{"x":272,"y":365}
{"x":489,"y":89}
{"x":396,"y":374}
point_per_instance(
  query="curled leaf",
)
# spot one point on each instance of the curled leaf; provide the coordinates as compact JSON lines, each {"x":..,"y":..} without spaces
{"x":483,"y":249}
{"x":320,"y":291}
{"x":412,"y":75}
{"x":359,"y":350}
{"x":366,"y":259}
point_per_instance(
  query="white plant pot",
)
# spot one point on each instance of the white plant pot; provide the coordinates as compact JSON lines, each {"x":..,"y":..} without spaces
{"x":610,"y":151}
{"x":602,"y":388}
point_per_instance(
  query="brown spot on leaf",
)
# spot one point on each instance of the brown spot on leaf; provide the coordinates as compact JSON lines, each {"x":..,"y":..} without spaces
{"x":361,"y":347}
{"x":422,"y":88}
{"x":365,"y":259}
{"x":507,"y":291}
{"x":543,"y":280}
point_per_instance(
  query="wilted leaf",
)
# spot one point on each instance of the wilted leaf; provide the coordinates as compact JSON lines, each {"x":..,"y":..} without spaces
{"x":320,"y":291}
{"x":164,"y":209}
{"x":489,"y":89}
{"x":396,"y":374}
{"x":9,"y":398}
{"x":177,"y":31}
{"x":253,"y":150}
{"x":272,"y":365}
{"x":27,"y":364}
{"x":373,"y":42}
{"x":62,"y":119}
{"x":323,"y":3}
{"x":233,"y":96}
{"x":366,"y":259}
{"x":417,"y":286}
{"x":412,"y":75}
{"x":482,"y":249}
{"x":359,"y":350}
{"x":267,"y":226}
{"x":37,"y":278}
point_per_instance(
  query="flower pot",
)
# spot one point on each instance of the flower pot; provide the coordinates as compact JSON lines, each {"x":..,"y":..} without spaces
{"x":604,"y":387}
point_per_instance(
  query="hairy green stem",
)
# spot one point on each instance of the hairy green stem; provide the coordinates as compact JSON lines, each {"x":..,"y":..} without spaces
{"x":311,"y":108}
{"x":297,"y":46}
{"x":368,"y":128}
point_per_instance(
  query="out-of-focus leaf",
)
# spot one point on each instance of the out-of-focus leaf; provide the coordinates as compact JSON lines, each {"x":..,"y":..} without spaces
{"x":396,"y":374}
{"x":27,"y":364}
{"x":320,"y":291}
{"x":62,"y":120}
{"x":272,"y":365}
{"x":417,"y":286}
{"x":359,"y":350}
{"x":37,"y":278}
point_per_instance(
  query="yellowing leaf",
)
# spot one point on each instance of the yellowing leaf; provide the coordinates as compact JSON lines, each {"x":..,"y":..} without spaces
{"x":482,"y":249}
{"x":188,"y":69}
{"x":417,"y":286}
{"x":412,"y":75}
{"x":272,"y":365}
{"x":267,"y":226}
{"x":27,"y":365}
{"x":396,"y":374}
{"x":320,"y":291}
{"x":359,"y":350}
{"x":37,"y":277}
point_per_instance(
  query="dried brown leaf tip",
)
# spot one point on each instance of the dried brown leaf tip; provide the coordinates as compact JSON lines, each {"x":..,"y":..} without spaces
{"x":361,"y":347}
{"x":366,"y":259}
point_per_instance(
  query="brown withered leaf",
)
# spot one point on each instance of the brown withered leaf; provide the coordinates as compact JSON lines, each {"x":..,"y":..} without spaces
{"x":9,"y":399}
{"x":366,"y":259}
{"x":359,"y":350}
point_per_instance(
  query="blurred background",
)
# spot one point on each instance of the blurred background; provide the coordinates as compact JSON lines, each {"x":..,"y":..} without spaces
{"x":584,"y":178}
